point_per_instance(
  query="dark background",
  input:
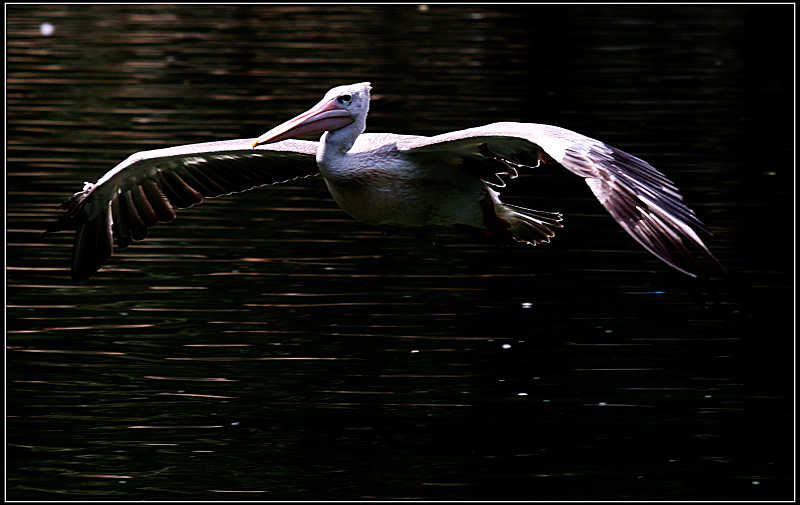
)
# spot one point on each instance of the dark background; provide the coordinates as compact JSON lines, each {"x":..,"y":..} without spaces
{"x":266,"y":346}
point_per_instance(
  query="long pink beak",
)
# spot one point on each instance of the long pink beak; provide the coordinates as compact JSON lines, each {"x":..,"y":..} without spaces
{"x":322,"y":117}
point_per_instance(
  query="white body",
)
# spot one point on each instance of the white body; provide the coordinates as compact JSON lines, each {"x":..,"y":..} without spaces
{"x":380,"y":185}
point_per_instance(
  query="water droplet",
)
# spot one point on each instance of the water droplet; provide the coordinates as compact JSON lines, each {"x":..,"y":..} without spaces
{"x":756,"y":482}
{"x":602,"y":404}
{"x":522,"y":394}
{"x":235,"y":423}
{"x":707,"y":396}
{"x":506,"y":346}
{"x":527,"y":305}
{"x":413,"y":351}
{"x":46,"y":29}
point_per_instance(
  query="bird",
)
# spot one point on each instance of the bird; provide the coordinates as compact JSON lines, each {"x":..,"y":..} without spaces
{"x":384,"y":179}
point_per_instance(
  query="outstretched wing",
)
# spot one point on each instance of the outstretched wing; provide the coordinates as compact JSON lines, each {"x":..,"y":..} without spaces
{"x":146,"y":188}
{"x":642,"y":199}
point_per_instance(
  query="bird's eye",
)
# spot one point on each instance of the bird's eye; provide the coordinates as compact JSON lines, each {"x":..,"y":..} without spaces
{"x":344,"y":99}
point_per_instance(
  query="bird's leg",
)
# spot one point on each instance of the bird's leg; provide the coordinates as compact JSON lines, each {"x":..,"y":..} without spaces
{"x":509,"y":168}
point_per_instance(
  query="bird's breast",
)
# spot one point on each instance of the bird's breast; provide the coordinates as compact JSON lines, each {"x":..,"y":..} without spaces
{"x":378,"y":195}
{"x":390,"y":190}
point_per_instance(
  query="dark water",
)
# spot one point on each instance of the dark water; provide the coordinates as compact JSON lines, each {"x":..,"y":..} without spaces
{"x":269,"y":347}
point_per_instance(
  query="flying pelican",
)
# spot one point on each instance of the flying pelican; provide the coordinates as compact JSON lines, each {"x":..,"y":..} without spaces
{"x":384,"y":179}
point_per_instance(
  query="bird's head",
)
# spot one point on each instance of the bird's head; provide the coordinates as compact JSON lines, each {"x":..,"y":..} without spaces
{"x":341,"y":107}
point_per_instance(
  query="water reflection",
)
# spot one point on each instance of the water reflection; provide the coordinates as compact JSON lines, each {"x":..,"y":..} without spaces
{"x":267,"y":346}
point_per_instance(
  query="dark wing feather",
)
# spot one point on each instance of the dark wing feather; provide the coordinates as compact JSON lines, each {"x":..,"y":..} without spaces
{"x":643,"y":200}
{"x":149,"y":186}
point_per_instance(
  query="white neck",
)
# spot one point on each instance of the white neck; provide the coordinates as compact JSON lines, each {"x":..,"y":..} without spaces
{"x":334,"y":145}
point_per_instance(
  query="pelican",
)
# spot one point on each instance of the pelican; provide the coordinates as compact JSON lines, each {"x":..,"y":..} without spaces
{"x":384,"y":179}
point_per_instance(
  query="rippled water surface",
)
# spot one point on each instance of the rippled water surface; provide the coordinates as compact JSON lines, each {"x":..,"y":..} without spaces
{"x":266,"y":346}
